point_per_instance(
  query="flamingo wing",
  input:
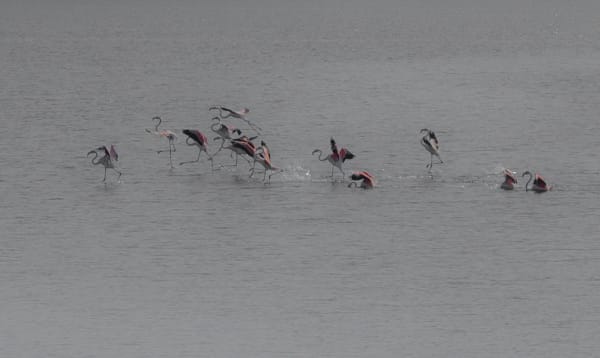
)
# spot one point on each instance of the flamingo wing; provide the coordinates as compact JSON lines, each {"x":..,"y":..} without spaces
{"x":428,"y":145}
{"x":367,"y":175}
{"x":196,"y":136}
{"x":369,"y":178}
{"x":239,"y":113}
{"x":345,"y":154}
{"x":508,"y":175}
{"x":244,"y":145}
{"x":167,"y":134}
{"x":539,"y":181}
{"x":266,"y":153}
{"x":333,"y":146}
{"x":113,"y":153}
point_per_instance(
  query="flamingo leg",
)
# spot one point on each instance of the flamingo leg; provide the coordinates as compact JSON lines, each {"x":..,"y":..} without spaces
{"x":231,"y":156}
{"x":117,"y":172}
{"x":193,"y":161}
{"x":221,"y":147}
{"x":104,"y":174}
{"x":211,"y":163}
{"x":430,"y":165}
{"x":278,"y":171}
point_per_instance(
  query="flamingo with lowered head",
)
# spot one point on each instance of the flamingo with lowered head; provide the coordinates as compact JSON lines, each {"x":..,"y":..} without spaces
{"x":539,"y":183}
{"x":431,"y":144}
{"x":368,"y":180}
{"x":509,"y":180}
{"x":199,"y":140}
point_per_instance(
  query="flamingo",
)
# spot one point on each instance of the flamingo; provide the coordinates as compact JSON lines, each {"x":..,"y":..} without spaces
{"x":106,"y":160}
{"x":335,"y":158}
{"x":431,"y":143}
{"x":225,"y":112}
{"x":368,"y":180}
{"x":509,"y":180}
{"x":198,"y":139}
{"x":224,"y":132}
{"x":262,"y":155}
{"x":242,"y":145}
{"x":539,"y":184}
{"x":171,"y":136}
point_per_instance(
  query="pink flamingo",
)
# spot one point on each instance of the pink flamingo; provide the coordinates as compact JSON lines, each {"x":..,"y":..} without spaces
{"x":368,"y":180}
{"x":539,"y":184}
{"x":225,"y":112}
{"x":106,"y":160}
{"x":509,"y":180}
{"x":431,"y":143}
{"x":199,"y":140}
{"x":262,"y":155}
{"x":336,"y":158}
{"x":224,"y":132}
{"x":242,"y":146}
{"x":171,"y":136}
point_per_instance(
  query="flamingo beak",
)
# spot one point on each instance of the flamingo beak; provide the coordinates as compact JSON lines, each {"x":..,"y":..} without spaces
{"x":91,"y":152}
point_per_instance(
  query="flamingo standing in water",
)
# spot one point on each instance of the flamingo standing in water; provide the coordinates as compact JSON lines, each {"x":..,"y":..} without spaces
{"x":199,"y":140}
{"x":368,"y":180}
{"x":225,"y":132}
{"x":262,"y":155}
{"x":225,"y":112}
{"x":106,"y":160}
{"x":242,"y":146}
{"x":431,"y":143}
{"x":509,"y":180}
{"x":336,"y":158}
{"x":539,"y":184}
{"x":171,"y":136}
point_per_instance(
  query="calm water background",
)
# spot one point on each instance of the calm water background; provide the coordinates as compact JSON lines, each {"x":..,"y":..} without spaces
{"x":189,"y":263}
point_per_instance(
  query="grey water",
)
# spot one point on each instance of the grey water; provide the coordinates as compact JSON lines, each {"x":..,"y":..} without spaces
{"x":187,"y":262}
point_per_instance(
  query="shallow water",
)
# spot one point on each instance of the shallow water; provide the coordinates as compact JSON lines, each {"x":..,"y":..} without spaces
{"x":187,"y":262}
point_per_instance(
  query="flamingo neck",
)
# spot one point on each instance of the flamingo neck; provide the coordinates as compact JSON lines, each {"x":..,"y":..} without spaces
{"x":528,"y":181}
{"x":94,"y":158}
{"x":157,"y":124}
